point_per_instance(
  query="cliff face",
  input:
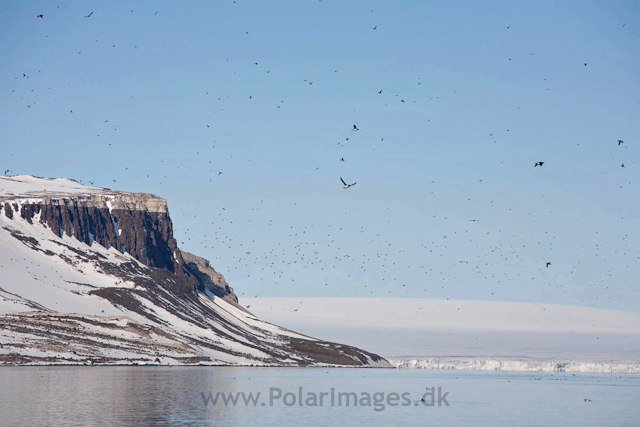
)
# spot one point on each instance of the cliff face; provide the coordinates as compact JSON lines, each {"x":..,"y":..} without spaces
{"x":212,"y":280}
{"x":135,"y":223}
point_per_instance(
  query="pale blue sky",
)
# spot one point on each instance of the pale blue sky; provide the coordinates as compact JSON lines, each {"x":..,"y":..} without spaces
{"x":277,"y":221}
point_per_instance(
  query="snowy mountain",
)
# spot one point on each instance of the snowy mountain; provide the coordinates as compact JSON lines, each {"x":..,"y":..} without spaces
{"x":94,"y":276}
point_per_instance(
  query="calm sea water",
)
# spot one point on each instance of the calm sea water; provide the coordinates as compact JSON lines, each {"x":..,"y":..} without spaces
{"x":85,"y":396}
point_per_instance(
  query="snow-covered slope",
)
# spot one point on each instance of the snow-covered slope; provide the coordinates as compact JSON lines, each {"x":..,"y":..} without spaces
{"x":90,"y":275}
{"x":27,"y":186}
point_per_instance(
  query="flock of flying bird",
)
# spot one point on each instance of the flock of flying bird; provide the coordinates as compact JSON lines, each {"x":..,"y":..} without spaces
{"x":309,"y":252}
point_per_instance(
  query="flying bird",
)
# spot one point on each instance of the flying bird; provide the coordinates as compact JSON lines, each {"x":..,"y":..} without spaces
{"x":622,"y":165}
{"x":375,"y":28}
{"x":89,"y":15}
{"x":380,"y":92}
{"x":538,"y":164}
{"x":548,"y":264}
{"x":585,"y":64}
{"x":40,"y":16}
{"x":7,"y":171}
{"x":24,"y":76}
{"x":342,"y":159}
{"x":347,"y":185}
{"x":355,"y":128}
{"x":619,"y":141}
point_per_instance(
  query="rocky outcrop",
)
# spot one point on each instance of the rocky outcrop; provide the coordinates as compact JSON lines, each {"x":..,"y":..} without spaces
{"x":135,"y":223}
{"x":211,"y":280}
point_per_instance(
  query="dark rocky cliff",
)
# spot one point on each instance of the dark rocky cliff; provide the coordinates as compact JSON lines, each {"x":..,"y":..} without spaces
{"x":136,"y":223}
{"x":213,"y":281}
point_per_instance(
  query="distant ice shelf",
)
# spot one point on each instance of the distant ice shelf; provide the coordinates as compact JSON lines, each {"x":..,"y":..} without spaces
{"x":515,"y":364}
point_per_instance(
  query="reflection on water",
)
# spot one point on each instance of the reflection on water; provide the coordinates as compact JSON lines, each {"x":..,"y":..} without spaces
{"x":83,"y":396}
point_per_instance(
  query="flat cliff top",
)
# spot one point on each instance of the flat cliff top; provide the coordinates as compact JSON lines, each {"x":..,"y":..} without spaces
{"x":21,"y":187}
{"x":28,"y":186}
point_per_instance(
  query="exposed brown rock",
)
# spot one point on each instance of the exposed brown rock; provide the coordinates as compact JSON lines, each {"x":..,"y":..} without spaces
{"x":145,"y":234}
{"x":136,"y":223}
{"x":211,"y":280}
{"x":8,"y":211}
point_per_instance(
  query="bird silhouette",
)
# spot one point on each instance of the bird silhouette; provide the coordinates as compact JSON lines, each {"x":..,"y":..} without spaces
{"x":548,"y":264}
{"x":355,"y":128}
{"x":24,"y":76}
{"x":89,"y":15}
{"x":380,"y":92}
{"x":375,"y":28}
{"x":7,"y":171}
{"x":538,"y":164}
{"x":347,"y":185}
{"x":40,"y":16}
{"x":620,"y":142}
